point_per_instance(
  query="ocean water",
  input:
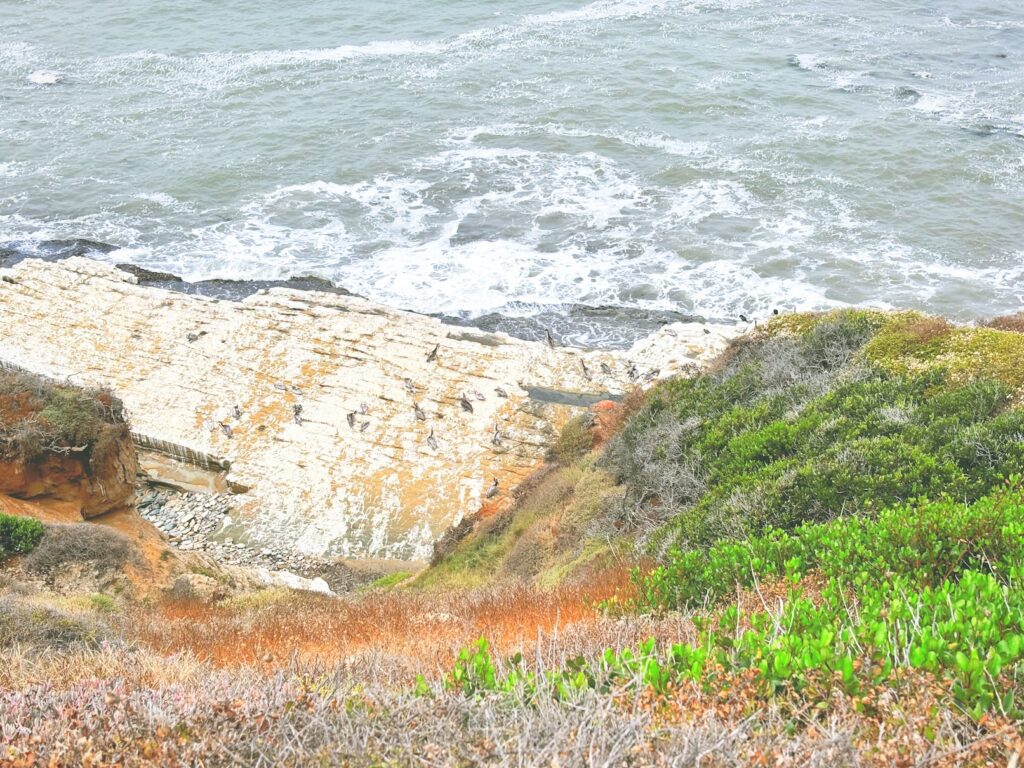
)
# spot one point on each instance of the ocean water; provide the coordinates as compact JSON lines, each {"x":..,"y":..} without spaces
{"x":518,"y":158}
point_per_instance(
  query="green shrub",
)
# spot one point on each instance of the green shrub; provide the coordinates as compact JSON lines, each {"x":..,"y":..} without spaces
{"x":37,"y":415}
{"x":102,"y":603}
{"x":926,"y":543}
{"x":18,"y":535}
{"x":929,"y":586}
{"x":792,"y":430}
{"x":575,"y":441}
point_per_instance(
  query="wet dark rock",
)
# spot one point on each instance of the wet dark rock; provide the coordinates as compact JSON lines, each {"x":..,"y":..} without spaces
{"x":229,"y":290}
{"x":15,"y":251}
{"x":576,"y":325}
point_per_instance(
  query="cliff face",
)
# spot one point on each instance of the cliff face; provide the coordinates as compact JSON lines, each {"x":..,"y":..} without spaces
{"x":349,"y":428}
{"x":66,"y":451}
{"x":72,"y":483}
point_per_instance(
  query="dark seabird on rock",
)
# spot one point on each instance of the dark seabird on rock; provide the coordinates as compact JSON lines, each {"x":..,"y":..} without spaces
{"x":363,"y":426}
{"x":279,"y":386}
{"x":478,"y":395}
{"x":420,"y":415}
{"x":744,"y":318}
{"x":606,"y":369}
{"x":500,"y":392}
{"x":550,"y":339}
{"x":433,"y":354}
{"x":466,"y":405}
{"x":298,"y":419}
{"x":295,"y":390}
{"x":364,"y":408}
{"x":226,"y":429}
{"x":493,"y":490}
{"x":496,"y":437}
{"x":586,"y":373}
{"x":409,"y":386}
{"x":775,"y":311}
{"x":351,"y":419}
{"x":238,"y":412}
{"x":431,"y":440}
{"x":633,"y":373}
{"x":707,"y":331}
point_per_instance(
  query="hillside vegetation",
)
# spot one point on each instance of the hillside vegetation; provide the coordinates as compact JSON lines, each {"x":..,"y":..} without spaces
{"x":811,"y":554}
{"x":38,"y":416}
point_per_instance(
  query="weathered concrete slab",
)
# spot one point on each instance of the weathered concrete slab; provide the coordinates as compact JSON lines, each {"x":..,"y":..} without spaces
{"x":348,"y":438}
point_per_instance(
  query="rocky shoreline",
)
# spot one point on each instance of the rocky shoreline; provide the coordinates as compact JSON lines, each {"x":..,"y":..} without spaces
{"x":346,"y":430}
{"x":199,"y":522}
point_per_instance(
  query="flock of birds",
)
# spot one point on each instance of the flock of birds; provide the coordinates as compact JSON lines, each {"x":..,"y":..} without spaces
{"x":465,"y":402}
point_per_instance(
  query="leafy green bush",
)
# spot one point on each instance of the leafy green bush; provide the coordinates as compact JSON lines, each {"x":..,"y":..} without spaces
{"x":924,"y":542}
{"x":18,"y":535}
{"x":788,"y":431}
{"x":966,"y":633}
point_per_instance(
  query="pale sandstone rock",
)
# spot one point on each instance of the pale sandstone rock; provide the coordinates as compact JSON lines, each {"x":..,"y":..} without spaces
{"x":315,"y":484}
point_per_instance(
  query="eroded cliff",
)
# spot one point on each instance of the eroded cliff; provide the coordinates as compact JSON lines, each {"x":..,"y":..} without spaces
{"x":348,"y":428}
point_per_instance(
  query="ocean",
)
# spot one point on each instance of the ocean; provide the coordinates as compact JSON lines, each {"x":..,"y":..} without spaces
{"x":593,"y":167}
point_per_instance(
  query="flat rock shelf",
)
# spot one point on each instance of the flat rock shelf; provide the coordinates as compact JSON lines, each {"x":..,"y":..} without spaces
{"x":348,"y":428}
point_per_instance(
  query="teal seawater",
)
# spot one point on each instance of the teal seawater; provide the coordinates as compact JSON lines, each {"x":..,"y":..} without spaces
{"x":706,"y":156}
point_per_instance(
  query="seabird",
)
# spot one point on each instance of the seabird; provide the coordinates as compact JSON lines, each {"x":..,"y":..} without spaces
{"x":633,"y":373}
{"x":586,"y":373}
{"x":550,"y":338}
{"x":363,"y":426}
{"x":238,"y":412}
{"x":493,"y":490}
{"x":496,"y":437}
{"x":775,"y":311}
{"x":420,"y":415}
{"x":351,"y":419}
{"x":298,"y":419}
{"x":226,"y":429}
{"x":606,"y":369}
{"x":364,"y":408}
{"x":478,"y":395}
{"x":707,"y":331}
{"x":500,"y":392}
{"x":744,"y":318}
{"x":433,"y":354}
{"x":408,"y":386}
{"x":431,"y":440}
{"x":464,"y":402}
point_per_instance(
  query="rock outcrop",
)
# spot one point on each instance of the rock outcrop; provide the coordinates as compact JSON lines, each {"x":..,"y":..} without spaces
{"x":73,"y":484}
{"x":348,"y":428}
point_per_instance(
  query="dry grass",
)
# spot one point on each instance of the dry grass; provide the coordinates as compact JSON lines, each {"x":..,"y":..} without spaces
{"x":424,"y":627}
{"x":101,"y":547}
{"x":280,"y":678}
{"x":358,"y":714}
{"x":1014,"y":323}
